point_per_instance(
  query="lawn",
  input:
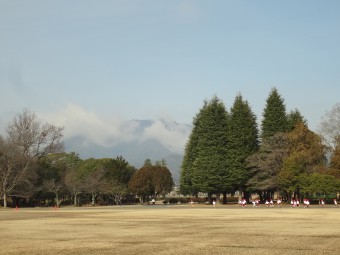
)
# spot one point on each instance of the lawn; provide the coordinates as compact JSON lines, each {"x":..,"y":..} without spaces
{"x":175,"y":229}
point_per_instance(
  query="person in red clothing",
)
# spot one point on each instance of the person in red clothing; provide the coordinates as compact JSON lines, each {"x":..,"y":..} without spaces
{"x":267,"y":203}
{"x":279,"y":202}
{"x":306,"y":202}
{"x":243,"y":202}
{"x":322,"y":202}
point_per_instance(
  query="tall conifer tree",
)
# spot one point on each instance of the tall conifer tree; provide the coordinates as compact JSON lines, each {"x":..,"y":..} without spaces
{"x":204,"y":166}
{"x":242,"y":141}
{"x":186,"y":184}
{"x":274,"y":115}
{"x":294,"y":118}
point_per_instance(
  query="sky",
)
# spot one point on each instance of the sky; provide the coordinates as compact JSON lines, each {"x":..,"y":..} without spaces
{"x":91,"y":65}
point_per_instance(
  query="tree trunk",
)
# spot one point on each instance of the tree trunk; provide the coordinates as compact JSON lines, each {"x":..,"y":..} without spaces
{"x":247,"y":196}
{"x":209,"y":198}
{"x":57,"y":198}
{"x":75,"y":199}
{"x":240,"y":194}
{"x":5,"y":200}
{"x":224,"y":197}
{"x":93,"y":199}
{"x":218,"y":197}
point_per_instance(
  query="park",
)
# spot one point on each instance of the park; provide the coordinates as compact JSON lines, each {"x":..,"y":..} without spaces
{"x":170,"y":229}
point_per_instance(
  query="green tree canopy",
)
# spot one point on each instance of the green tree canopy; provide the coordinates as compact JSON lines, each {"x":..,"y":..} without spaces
{"x":242,"y":142}
{"x":293,"y":118}
{"x":274,"y":115}
{"x":207,"y":165}
{"x":265,"y":165}
{"x":306,"y":156}
{"x":190,"y":154}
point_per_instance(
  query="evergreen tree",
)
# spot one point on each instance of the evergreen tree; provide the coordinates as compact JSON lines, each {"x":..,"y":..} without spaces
{"x":205,"y":157}
{"x":242,"y":142}
{"x":293,"y":118}
{"x":210,"y":165}
{"x":274,"y":115}
{"x":190,"y":154}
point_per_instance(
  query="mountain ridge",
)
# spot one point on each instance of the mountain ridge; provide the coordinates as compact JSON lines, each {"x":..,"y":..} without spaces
{"x":141,"y":147}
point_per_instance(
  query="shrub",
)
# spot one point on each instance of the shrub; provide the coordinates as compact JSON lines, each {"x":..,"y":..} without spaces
{"x":200,"y":200}
{"x":173,"y":200}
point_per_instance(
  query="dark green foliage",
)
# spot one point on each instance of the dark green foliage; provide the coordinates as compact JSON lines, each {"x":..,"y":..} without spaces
{"x":318,"y":184}
{"x":265,"y":165}
{"x":274,"y":115}
{"x":293,"y":118}
{"x":186,"y":184}
{"x":204,"y":166}
{"x":242,"y":141}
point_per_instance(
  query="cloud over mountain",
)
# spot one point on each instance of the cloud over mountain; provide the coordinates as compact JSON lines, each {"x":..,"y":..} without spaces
{"x":113,"y":131}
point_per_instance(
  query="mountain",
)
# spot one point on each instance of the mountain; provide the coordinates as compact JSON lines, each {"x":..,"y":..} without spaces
{"x":144,"y":139}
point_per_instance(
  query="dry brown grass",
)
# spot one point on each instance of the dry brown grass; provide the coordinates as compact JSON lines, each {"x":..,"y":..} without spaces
{"x":170,"y":230}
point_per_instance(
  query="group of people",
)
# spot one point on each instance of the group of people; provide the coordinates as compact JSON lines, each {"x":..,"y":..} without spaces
{"x":294,"y":202}
{"x":270,"y":203}
{"x":242,"y":202}
{"x":306,"y":203}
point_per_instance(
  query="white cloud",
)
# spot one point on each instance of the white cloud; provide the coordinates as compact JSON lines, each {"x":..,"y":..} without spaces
{"x":110,"y":131}
{"x":172,"y":136}
{"x":77,"y":121}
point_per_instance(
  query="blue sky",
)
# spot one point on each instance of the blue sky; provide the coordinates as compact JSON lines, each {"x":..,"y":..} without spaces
{"x":117,"y":60}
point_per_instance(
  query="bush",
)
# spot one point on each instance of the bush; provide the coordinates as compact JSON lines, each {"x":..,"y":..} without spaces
{"x":200,"y":200}
{"x":183,"y":200}
{"x":173,"y":200}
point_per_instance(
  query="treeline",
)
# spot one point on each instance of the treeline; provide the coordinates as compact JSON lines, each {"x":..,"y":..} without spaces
{"x":35,"y":171}
{"x":226,"y":152}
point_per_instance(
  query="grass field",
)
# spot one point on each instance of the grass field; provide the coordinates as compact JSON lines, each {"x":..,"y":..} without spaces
{"x":178,"y":229}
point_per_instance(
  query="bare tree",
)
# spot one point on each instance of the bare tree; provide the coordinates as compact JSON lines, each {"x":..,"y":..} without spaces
{"x":28,"y":140}
{"x":330,"y":126}
{"x":94,"y":183}
{"x":116,"y":190}
{"x":54,"y":187}
{"x":11,"y":161}
{"x":74,"y":184}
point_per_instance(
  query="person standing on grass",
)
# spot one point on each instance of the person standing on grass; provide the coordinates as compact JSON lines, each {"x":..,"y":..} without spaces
{"x":279,"y":202}
{"x":322,"y":202}
{"x":267,"y":203}
{"x":294,"y":203}
{"x":244,"y":202}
